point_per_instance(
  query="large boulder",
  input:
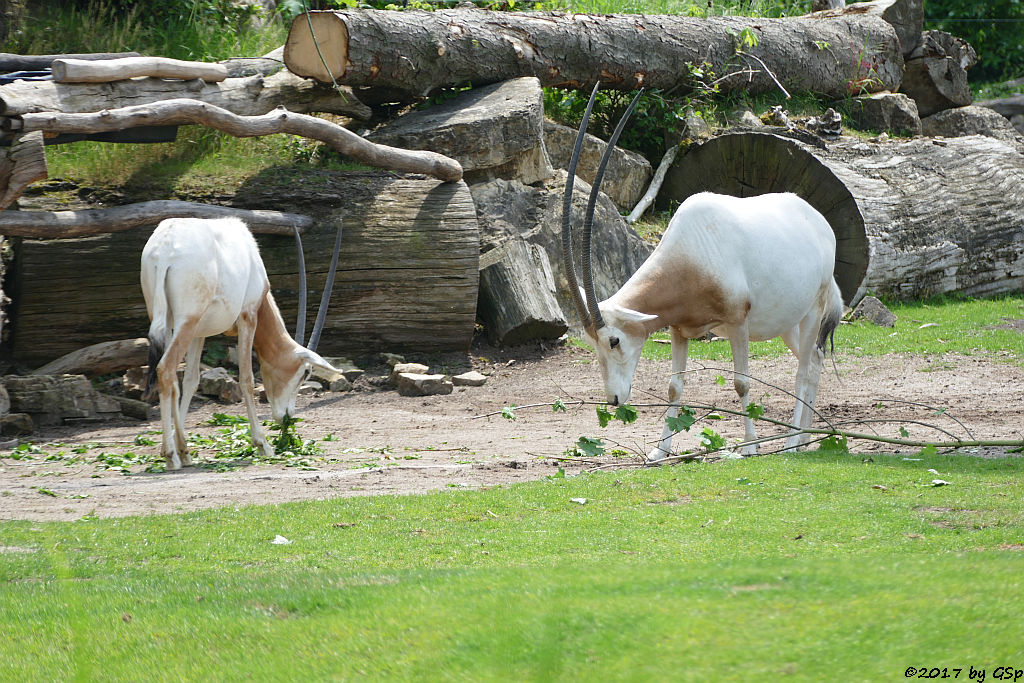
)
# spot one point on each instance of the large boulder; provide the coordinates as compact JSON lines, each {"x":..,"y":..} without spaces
{"x":886,"y":111}
{"x":625,"y":179}
{"x":970,"y":120}
{"x":59,"y":399}
{"x":495,"y":131}
{"x":511,"y":210}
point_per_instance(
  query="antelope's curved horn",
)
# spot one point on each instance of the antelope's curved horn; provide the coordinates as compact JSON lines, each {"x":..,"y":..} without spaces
{"x":321,"y":313}
{"x":300,"y":318}
{"x":567,"y":258}
{"x":588,"y":219}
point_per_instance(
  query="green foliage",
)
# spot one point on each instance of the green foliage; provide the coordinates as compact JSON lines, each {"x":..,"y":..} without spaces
{"x":625,"y":413}
{"x":683,"y":421}
{"x":995,"y":29}
{"x":711,"y":440}
{"x":588,"y":447}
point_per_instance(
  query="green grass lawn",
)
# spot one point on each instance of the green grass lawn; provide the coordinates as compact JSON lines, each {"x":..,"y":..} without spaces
{"x":942,"y":325}
{"x":813,"y":566}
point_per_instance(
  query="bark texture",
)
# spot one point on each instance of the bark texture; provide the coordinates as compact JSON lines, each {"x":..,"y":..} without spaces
{"x":21,"y":164}
{"x":912,"y":217}
{"x":185,"y":111}
{"x":100,"y":359}
{"x":418,"y":52}
{"x":407,"y":275}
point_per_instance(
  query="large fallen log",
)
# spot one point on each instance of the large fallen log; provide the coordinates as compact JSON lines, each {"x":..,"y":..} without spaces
{"x":912,"y":217}
{"x":186,"y":111}
{"x":245,"y":96}
{"x":832,"y":53}
{"x":100,"y":359}
{"x":86,"y":222}
{"x":407,"y":277}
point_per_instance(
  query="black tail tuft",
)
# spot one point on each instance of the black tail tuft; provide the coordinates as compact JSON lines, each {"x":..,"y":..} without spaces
{"x":156,"y":352}
{"x":827,"y":331}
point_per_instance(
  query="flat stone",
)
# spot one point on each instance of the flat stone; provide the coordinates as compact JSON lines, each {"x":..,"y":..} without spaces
{"x":413,"y":384}
{"x":469,"y":379}
{"x":408,"y":368}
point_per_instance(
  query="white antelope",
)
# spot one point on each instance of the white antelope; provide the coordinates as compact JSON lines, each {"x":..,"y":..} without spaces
{"x":747,"y":269}
{"x":202,"y":277}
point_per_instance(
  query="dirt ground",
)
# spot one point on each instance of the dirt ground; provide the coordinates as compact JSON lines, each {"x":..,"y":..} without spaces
{"x":386,"y":443}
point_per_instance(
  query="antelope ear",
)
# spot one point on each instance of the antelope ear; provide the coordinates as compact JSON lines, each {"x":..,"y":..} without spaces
{"x":318,"y":365}
{"x":628,"y":315}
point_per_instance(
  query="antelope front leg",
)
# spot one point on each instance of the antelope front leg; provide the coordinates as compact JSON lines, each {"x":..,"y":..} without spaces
{"x":246,"y":327}
{"x":739,"y":341}
{"x":680,"y":349}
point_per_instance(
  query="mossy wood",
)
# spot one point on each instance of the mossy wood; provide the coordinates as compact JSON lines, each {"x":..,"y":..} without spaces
{"x":418,"y":52}
{"x":912,"y":217}
{"x":407,"y":275}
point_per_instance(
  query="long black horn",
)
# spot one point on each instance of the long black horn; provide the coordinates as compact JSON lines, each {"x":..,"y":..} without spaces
{"x":300,"y":318}
{"x":567,"y":257}
{"x":588,"y":219}
{"x":325,"y":298}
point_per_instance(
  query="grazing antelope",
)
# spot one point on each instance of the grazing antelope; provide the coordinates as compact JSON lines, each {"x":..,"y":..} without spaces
{"x":202,"y":277}
{"x":747,"y":269}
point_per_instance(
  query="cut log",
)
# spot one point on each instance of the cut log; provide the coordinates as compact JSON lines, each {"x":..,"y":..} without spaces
{"x":912,"y":218}
{"x":418,"y":52}
{"x":936,"y":73}
{"x":1007,"y":106}
{"x":67,"y":224}
{"x":21,"y":164}
{"x":100,"y":359}
{"x":517,"y":295}
{"x":186,"y":111}
{"x":407,"y":277}
{"x":246,"y":96}
{"x":12,"y":62}
{"x":107,"y":70}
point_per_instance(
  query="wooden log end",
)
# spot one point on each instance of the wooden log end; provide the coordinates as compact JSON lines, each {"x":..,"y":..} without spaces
{"x":300,"y":49}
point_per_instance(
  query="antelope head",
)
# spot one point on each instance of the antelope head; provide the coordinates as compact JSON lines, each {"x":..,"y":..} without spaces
{"x":616,"y":333}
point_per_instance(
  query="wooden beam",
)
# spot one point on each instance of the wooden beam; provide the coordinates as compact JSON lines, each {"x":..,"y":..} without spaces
{"x":11,"y":62}
{"x":107,"y":70}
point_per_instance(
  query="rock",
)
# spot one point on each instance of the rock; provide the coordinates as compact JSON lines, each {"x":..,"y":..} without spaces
{"x":391,"y":359}
{"x":413,"y":384}
{"x":16,"y":424}
{"x":495,"y":131}
{"x":218,"y":383}
{"x":469,"y":379}
{"x":56,"y":399}
{"x":1017,"y":121}
{"x":969,"y":120}
{"x":935,"y":73}
{"x":348,"y":369}
{"x":829,"y":124}
{"x":5,"y":401}
{"x":409,"y":368}
{"x":507,"y":209}
{"x":130,"y":407}
{"x":338,"y":385}
{"x":626,"y":176}
{"x":310,"y":386}
{"x":886,"y":111}
{"x":873,"y":310}
{"x":749,"y":119}
{"x":134,"y":380}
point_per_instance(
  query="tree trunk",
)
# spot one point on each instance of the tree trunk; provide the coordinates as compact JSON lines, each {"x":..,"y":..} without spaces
{"x":830,"y":53}
{"x":185,"y":111}
{"x":100,"y":359}
{"x":407,"y":275}
{"x":248,"y":96}
{"x":912,"y":217}
{"x":68,"y":224}
{"x":108,"y":70}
